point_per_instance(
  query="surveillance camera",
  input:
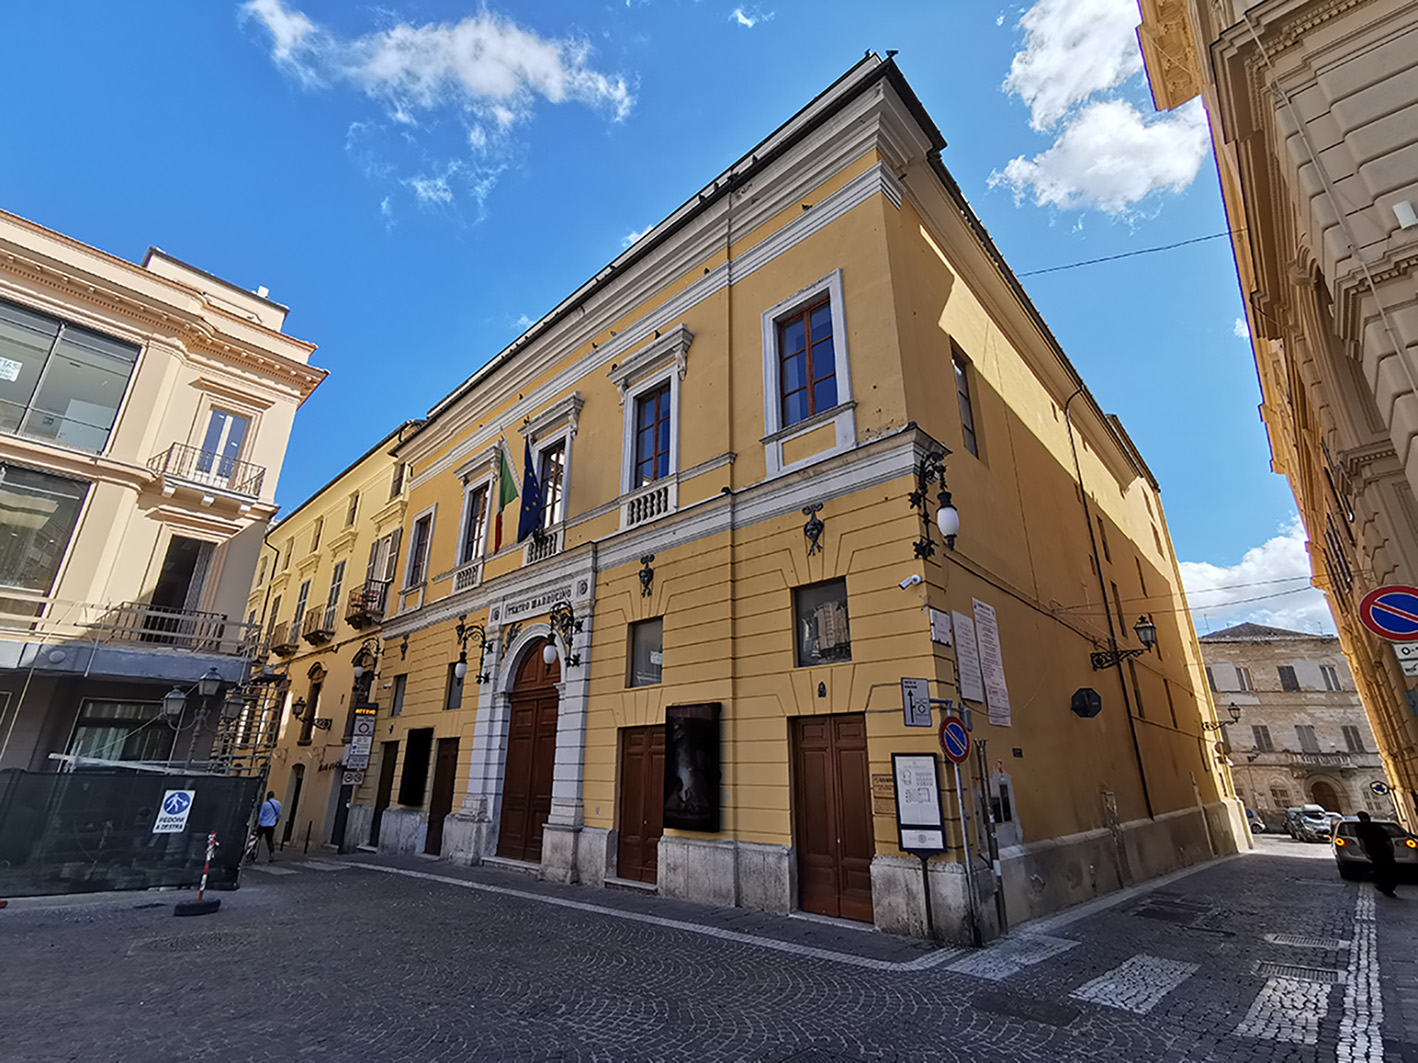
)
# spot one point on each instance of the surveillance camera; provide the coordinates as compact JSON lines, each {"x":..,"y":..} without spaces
{"x":910,"y":581}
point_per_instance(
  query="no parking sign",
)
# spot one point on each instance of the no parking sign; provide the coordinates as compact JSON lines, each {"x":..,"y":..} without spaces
{"x":1391,"y":613}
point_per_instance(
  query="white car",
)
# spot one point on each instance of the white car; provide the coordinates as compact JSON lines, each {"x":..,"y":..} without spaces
{"x":1353,"y":861}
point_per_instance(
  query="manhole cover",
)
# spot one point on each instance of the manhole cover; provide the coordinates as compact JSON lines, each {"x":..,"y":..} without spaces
{"x":1307,"y":941}
{"x":220,"y":939}
{"x":1021,"y":1007}
{"x":1299,"y":974}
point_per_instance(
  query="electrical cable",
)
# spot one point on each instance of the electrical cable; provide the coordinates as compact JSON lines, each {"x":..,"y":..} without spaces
{"x":1130,"y":254}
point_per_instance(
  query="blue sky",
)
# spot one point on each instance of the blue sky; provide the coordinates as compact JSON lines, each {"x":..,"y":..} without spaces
{"x":419,"y":180}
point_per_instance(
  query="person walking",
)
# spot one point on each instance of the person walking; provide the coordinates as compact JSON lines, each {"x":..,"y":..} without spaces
{"x":1379,"y":846}
{"x":266,"y":820}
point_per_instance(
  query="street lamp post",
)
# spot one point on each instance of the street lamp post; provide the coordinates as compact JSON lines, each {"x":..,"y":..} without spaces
{"x":465,"y":632}
{"x":1146,"y":632}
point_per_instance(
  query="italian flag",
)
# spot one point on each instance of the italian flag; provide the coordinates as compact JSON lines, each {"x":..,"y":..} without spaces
{"x":506,"y":492}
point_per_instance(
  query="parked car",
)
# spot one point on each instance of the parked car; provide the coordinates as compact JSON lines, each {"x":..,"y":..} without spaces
{"x":1253,"y":819}
{"x":1353,"y":861}
{"x":1307,"y":823}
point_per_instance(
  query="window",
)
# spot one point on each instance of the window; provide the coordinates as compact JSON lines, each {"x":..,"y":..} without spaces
{"x":1156,"y":538}
{"x":1281,"y":796}
{"x":1353,"y":739}
{"x":38,"y":513}
{"x":807,"y":363}
{"x":1171,"y":705}
{"x":646,"y":644}
{"x":315,"y":535}
{"x":1118,"y":606}
{"x":307,"y":721}
{"x":1243,"y":679}
{"x":453,"y":694}
{"x":1141,"y":583}
{"x":962,"y":393}
{"x":1210,"y":679}
{"x":1288,"y":681}
{"x":396,"y":484}
{"x":337,"y":586}
{"x":59,"y":382}
{"x":1334,"y":551}
{"x":299,"y":610}
{"x":1306,"y":734}
{"x":474,"y":524}
{"x":396,"y":704}
{"x":418,"y":550}
{"x":275,"y":612}
{"x":261,"y":571}
{"x":384,"y":558}
{"x":1330,"y":676}
{"x":415,"y":778}
{"x":121,"y":730}
{"x":353,"y":511}
{"x":1136,"y":690}
{"x":221,"y":446}
{"x":820,"y":619}
{"x":290,"y":549}
{"x":652,"y":435}
{"x":552,"y":462}
{"x":1103,"y":540}
{"x":1261,"y":735}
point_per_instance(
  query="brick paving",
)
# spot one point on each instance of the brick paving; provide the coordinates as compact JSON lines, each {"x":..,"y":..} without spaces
{"x":420,"y":961}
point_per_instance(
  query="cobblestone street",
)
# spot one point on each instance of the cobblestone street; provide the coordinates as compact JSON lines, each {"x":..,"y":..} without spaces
{"x":1267,"y":956}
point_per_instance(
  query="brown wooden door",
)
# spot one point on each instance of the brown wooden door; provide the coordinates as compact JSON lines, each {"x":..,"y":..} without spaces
{"x":440,"y":801}
{"x":832,"y":815}
{"x":531,"y":753}
{"x":642,"y":801}
{"x":385,"y":791}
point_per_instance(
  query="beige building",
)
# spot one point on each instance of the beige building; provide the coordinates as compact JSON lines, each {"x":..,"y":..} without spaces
{"x":684,"y":673}
{"x":144,"y":415}
{"x":321,"y":591}
{"x":1296,"y":729}
{"x":1312,"y":108}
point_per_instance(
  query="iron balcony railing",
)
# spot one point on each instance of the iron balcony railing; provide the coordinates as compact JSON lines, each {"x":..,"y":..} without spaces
{"x":1321,"y":760}
{"x":319,"y":625}
{"x":209,"y":469}
{"x":284,"y":641}
{"x":29,"y":615}
{"x":367,"y":603}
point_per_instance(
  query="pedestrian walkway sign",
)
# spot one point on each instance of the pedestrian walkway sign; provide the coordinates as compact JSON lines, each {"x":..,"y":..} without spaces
{"x":1391,"y":613}
{"x":173,"y":813}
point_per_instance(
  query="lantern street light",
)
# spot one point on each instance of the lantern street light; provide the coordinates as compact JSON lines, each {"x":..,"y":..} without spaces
{"x":565,"y":623}
{"x":1146,"y":632}
{"x":463,"y":633}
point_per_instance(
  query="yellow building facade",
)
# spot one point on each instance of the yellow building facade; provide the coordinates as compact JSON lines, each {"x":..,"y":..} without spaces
{"x":688,"y":677}
{"x":1311,"y":110}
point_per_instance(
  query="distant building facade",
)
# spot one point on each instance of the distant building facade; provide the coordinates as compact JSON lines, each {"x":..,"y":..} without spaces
{"x":1312,"y":105}
{"x":144,"y":416}
{"x":729,"y":451}
{"x":1302,"y":735}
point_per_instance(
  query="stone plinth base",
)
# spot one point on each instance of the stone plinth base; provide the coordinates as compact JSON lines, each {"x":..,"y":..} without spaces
{"x":735,"y":874}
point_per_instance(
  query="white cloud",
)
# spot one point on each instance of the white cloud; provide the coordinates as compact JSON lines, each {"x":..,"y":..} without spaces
{"x":749,"y":19}
{"x":523,"y":322}
{"x":1073,"y":49}
{"x":484,"y":74}
{"x":1076,"y":57}
{"x":1109,"y":157}
{"x":1269,"y":585}
{"x":1241,"y":330}
{"x":386,"y":208}
{"x":630,"y":237}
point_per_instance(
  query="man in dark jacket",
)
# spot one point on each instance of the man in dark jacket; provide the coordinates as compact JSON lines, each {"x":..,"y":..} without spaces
{"x":1379,"y":847}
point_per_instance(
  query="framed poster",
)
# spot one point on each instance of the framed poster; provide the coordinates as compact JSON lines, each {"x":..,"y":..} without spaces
{"x":692,"y":767}
{"x":920,"y":815}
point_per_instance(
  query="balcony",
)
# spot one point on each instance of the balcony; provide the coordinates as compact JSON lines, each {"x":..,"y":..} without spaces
{"x":649,"y":502}
{"x":319,"y":626}
{"x":541,"y":545}
{"x":367,"y":603}
{"x":284,"y":641}
{"x":27,"y":614}
{"x":1301,"y":763}
{"x":182,"y":464}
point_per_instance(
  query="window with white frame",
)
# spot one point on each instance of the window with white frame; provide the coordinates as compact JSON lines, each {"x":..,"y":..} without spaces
{"x":652,"y":435}
{"x":551,"y":472}
{"x":418,"y":549}
{"x":649,"y":382}
{"x":806,"y":378}
{"x":300,"y":601}
{"x":473,"y":534}
{"x":550,"y":435}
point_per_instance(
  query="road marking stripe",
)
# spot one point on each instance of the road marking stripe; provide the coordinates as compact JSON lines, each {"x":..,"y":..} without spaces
{"x":321,"y":865}
{"x":1137,"y":985}
{"x":930,"y":959}
{"x":267,"y":869}
{"x":1287,"y":1009}
{"x":1011,"y":955}
{"x":1361,"y":1028}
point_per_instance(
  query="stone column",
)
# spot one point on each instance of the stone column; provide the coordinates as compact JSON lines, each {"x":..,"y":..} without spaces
{"x":471,"y":833}
{"x":559,"y":837}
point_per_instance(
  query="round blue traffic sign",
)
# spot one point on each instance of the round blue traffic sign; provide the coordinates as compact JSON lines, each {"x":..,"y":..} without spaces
{"x":1391,"y":613}
{"x":954,"y":739}
{"x":176,"y":803}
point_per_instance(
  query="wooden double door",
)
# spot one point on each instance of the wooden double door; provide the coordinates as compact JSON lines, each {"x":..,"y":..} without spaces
{"x":531,"y":755}
{"x":832,"y":818}
{"x":642,"y":802}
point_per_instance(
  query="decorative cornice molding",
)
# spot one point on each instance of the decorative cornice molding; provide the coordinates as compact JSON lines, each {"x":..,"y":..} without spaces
{"x":565,"y":412}
{"x":672,"y":345}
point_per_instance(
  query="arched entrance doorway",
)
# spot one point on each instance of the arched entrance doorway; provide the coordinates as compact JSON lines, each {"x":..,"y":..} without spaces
{"x":531,"y":753}
{"x":1325,"y":794}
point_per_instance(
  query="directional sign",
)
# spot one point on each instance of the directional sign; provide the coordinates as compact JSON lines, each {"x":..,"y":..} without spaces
{"x":172,"y":816}
{"x":1379,"y":787}
{"x":954,"y":739}
{"x":1391,"y":613}
{"x":916,"y":702}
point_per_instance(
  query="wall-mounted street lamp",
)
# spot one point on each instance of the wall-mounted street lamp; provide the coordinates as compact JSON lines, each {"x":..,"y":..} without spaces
{"x":298,"y":709}
{"x":366,"y":658}
{"x":1146,"y":632}
{"x":463,"y":632}
{"x":563,"y":622}
{"x":1232,"y":710}
{"x":175,"y":701}
{"x":929,"y":470}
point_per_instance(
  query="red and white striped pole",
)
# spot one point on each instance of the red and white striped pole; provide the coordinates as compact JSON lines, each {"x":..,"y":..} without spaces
{"x":201,"y":906}
{"x":207,"y":866}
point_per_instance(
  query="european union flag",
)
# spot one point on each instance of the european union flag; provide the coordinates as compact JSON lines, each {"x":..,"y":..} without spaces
{"x":531,"y":516}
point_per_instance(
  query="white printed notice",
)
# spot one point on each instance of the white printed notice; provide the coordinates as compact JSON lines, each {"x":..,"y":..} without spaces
{"x":9,"y":370}
{"x":991,"y":663}
{"x":967,"y":659}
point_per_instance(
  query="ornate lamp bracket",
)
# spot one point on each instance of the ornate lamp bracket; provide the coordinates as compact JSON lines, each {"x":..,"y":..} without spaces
{"x":647,"y":575}
{"x":813,"y":528}
{"x":565,"y":623}
{"x":466,"y":632}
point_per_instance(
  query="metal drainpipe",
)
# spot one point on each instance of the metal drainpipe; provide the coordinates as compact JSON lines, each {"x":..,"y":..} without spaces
{"x":1107,"y":613}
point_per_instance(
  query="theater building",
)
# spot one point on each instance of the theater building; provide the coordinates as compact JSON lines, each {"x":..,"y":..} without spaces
{"x":686,"y":675}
